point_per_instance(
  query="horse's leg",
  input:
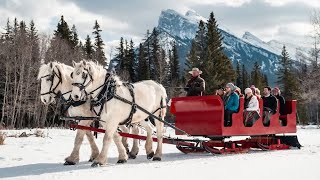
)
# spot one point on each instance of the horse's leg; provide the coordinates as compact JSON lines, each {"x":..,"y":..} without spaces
{"x":121,"y":149}
{"x":135,"y":146}
{"x":111,"y":128}
{"x":74,"y":156}
{"x":123,"y":128}
{"x":148,"y":144}
{"x":93,"y":145}
{"x":159,"y":126}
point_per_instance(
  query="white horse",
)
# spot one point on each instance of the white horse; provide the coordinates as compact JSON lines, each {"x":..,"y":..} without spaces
{"x":56,"y":77}
{"x":90,"y":78}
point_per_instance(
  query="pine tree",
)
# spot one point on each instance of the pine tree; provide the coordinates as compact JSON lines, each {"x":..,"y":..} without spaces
{"x":155,"y":58}
{"x":143,"y":69}
{"x":217,"y":67}
{"x":132,"y":62}
{"x":245,"y":78}
{"x":74,"y":37}
{"x":98,"y":44}
{"x":286,"y":76}
{"x":63,"y":31}
{"x":120,"y":56}
{"x":256,"y":78}
{"x":197,"y":53}
{"x":239,"y":75}
{"x":34,"y":40}
{"x":88,"y":48}
{"x":174,"y":63}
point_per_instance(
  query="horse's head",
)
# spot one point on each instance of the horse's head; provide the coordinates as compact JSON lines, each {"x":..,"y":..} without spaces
{"x":49,"y":78}
{"x":82,"y":79}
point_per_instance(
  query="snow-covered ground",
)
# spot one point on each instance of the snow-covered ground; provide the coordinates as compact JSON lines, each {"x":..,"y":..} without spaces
{"x":42,"y":158}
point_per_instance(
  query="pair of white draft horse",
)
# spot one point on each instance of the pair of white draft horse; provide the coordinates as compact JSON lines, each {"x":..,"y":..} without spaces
{"x":86,"y":80}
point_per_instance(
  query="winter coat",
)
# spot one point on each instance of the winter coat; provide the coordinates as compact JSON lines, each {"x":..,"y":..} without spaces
{"x":282,"y":104}
{"x":270,"y":102}
{"x":231,"y":102}
{"x":195,"y":86}
{"x":251,"y":104}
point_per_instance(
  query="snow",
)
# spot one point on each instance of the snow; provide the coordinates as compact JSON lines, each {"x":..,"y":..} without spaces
{"x":42,"y":158}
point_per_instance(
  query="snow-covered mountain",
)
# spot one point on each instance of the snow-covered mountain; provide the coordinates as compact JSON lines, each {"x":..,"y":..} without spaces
{"x":246,"y":49}
{"x":181,"y":28}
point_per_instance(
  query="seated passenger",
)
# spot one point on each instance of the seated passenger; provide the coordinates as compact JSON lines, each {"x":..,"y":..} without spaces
{"x":251,"y":108}
{"x":269,"y":105}
{"x":257,"y":93}
{"x":220,"y":92}
{"x":276,"y":92}
{"x":196,"y":85}
{"x":231,"y":104}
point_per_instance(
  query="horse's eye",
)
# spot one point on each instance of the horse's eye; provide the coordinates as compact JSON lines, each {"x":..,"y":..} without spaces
{"x":71,"y":75}
{"x":78,"y":73}
{"x":84,"y":75}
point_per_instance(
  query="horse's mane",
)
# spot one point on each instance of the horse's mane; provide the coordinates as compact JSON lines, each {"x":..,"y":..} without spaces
{"x":46,"y":67}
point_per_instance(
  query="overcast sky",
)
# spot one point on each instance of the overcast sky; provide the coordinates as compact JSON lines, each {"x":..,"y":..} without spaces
{"x":283,"y":20}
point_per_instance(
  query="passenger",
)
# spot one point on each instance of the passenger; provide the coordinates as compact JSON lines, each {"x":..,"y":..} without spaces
{"x":251,"y":108}
{"x":276,"y":92}
{"x":220,"y":92}
{"x":238,"y":91}
{"x":269,"y":105}
{"x":257,"y":93}
{"x":231,"y":104}
{"x":196,"y":85}
{"x":253,"y":88}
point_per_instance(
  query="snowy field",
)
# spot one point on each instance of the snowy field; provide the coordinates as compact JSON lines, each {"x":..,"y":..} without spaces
{"x":39,"y":158}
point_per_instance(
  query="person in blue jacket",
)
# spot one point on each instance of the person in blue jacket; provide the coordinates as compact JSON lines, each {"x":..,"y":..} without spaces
{"x":231,"y":103}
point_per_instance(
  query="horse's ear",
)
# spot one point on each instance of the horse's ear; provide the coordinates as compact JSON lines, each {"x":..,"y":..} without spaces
{"x":90,"y":69}
{"x":50,"y":65}
{"x":84,"y":63}
{"x":73,"y":63}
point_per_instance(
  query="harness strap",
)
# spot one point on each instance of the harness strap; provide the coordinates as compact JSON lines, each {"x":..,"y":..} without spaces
{"x":133,"y":105}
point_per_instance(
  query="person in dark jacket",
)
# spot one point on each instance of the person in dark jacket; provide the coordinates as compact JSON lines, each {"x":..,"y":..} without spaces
{"x":277,"y":93}
{"x":196,"y":85}
{"x":269,"y":105}
{"x":231,"y":103}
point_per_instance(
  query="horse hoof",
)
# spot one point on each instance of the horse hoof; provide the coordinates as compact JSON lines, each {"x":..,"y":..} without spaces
{"x":121,"y":161}
{"x":156,"y":159}
{"x":68,"y":163}
{"x":132,"y":156}
{"x":90,"y":160}
{"x":96,"y":164}
{"x":150,"y":155}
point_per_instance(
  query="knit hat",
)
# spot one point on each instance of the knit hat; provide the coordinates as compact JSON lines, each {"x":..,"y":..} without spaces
{"x":231,"y":86}
{"x":247,"y":90}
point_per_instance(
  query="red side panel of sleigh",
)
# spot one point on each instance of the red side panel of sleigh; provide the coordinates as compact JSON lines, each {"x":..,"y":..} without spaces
{"x":204,"y":116}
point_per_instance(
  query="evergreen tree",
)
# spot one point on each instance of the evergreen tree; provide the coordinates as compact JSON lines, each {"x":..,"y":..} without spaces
{"x":74,"y":37}
{"x":217,"y":67}
{"x":239,"y":75}
{"x":286,"y":76}
{"x":88,"y":48}
{"x":34,"y":40}
{"x":256,"y":77}
{"x":132,"y":62}
{"x":245,"y":78}
{"x":174,"y":63}
{"x":63,"y":31}
{"x":120,"y":56}
{"x":98,"y":44}
{"x":155,"y":58}
{"x":143,"y":69}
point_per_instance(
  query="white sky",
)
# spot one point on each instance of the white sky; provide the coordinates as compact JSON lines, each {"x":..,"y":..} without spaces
{"x":283,"y":20}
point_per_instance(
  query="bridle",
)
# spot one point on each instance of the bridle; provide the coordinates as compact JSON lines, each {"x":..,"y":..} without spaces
{"x":51,"y":78}
{"x":83,"y":86}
